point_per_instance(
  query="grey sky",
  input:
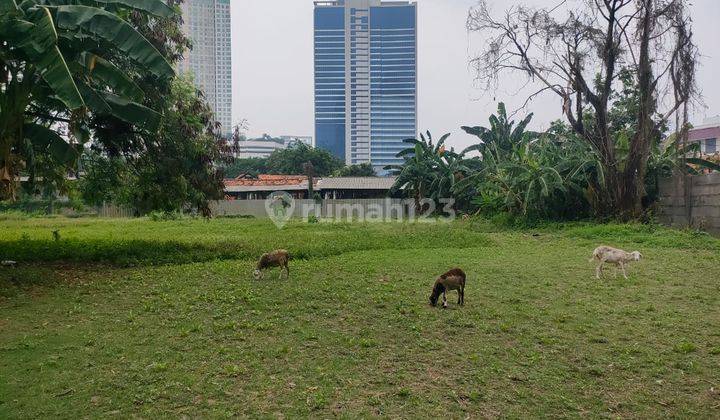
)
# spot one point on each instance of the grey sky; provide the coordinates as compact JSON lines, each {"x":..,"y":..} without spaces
{"x":273,"y":67}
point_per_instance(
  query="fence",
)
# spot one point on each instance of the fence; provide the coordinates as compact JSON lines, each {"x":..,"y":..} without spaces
{"x":108,"y":210}
{"x":691,"y":201}
{"x":385,"y":208}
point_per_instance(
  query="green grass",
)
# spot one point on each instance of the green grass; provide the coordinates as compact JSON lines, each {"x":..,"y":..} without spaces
{"x":136,"y":318}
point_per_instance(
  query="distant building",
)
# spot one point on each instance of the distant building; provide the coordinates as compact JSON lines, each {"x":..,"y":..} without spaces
{"x":259,"y":148}
{"x":290,"y":140}
{"x":365,"y":79}
{"x":263,"y":147}
{"x":207,"y":24}
{"x":707,"y":136}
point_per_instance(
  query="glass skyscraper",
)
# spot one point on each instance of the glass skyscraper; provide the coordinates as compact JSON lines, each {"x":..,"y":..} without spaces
{"x":365,"y":79}
{"x":207,"y":24}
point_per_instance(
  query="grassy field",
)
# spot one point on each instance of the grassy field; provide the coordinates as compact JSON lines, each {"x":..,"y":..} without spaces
{"x":131,"y":318}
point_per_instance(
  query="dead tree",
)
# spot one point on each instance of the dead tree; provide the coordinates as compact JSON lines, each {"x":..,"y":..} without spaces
{"x":578,"y":56}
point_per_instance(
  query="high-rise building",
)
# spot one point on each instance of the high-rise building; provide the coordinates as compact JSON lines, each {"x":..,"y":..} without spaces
{"x":207,"y":24}
{"x":365,"y":79}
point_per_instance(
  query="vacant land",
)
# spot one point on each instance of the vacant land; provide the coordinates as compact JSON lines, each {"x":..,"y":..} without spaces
{"x":138,"y":318}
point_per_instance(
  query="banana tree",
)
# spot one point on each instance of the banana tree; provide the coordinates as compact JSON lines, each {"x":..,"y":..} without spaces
{"x":502,"y":138}
{"x":56,"y":69}
{"x":430,"y":170}
{"x":414,"y":176}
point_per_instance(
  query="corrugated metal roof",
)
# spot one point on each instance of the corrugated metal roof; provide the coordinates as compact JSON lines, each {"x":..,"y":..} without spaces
{"x":299,"y":183}
{"x":356,"y":183}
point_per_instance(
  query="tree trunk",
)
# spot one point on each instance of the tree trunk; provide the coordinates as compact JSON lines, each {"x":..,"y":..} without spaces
{"x":621,"y":196}
{"x":8,"y":175}
{"x":630,"y":205}
{"x":631,"y":194}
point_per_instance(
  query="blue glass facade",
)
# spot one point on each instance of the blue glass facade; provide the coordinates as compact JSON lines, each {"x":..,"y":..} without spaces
{"x":330,"y":79}
{"x":365,"y":79}
{"x":393,"y":81}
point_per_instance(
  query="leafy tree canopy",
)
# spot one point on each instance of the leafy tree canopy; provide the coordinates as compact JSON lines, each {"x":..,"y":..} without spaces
{"x":247,"y":166}
{"x":361,"y":170}
{"x":64,"y":68}
{"x":176,"y":173}
{"x":291,"y":161}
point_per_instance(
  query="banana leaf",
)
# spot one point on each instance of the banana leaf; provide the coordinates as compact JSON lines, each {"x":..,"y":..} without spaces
{"x":111,"y":28}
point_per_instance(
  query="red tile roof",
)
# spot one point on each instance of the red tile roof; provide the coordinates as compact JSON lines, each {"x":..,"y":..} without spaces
{"x":300,"y":182}
{"x":267,"y":180}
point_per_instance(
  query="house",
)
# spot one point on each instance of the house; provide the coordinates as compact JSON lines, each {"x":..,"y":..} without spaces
{"x":707,"y":136}
{"x":247,"y":188}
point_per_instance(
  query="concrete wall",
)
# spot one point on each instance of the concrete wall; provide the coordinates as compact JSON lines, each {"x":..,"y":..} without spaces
{"x":371,"y":209}
{"x":390,"y":208}
{"x":691,"y":202}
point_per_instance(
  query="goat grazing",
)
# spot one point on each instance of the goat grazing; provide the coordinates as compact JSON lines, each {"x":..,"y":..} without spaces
{"x":618,"y":257}
{"x":277,"y":258}
{"x":452,"y":280}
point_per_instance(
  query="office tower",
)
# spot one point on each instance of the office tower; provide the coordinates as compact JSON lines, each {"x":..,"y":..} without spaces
{"x":365,"y":79}
{"x":207,"y":24}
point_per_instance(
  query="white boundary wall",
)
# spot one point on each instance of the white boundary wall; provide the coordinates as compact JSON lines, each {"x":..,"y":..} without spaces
{"x":391,"y":208}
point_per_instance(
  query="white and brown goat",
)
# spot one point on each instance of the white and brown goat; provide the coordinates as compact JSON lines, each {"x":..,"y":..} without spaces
{"x":452,"y":280}
{"x":618,"y":257}
{"x":277,"y":258}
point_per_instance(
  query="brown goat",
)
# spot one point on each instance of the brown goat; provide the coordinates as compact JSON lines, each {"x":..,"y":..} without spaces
{"x":452,"y":280}
{"x":277,"y":258}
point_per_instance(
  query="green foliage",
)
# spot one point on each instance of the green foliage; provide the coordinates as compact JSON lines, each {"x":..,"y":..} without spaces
{"x":177,"y":172}
{"x":248,"y":166}
{"x":105,"y":179}
{"x":34,"y":207}
{"x":528,"y":174}
{"x":290,"y":161}
{"x":56,"y":75}
{"x":164,"y":216}
{"x":361,"y":170}
{"x":429,"y":170}
{"x":533,"y":176}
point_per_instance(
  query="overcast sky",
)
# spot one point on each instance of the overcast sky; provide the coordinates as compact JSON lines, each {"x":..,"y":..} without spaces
{"x":273,"y":67}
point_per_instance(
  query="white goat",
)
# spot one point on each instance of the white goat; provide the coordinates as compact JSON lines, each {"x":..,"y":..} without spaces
{"x":618,"y":257}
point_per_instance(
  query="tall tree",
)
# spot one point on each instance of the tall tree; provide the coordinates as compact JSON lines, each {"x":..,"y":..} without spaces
{"x":579,"y":55}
